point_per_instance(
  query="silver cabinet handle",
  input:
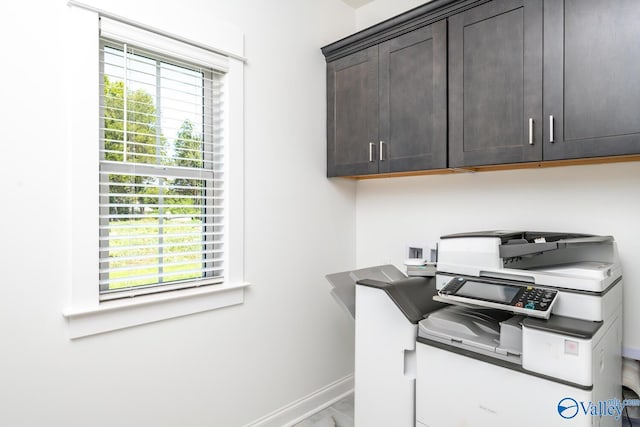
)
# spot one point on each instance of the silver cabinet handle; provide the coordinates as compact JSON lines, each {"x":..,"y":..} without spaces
{"x":371,"y":145}
{"x":551,"y":129}
{"x":530,"y":131}
{"x":382,"y":143}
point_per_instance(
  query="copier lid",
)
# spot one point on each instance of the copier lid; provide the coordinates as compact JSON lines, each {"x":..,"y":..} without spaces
{"x":515,"y":244}
{"x":506,"y":236}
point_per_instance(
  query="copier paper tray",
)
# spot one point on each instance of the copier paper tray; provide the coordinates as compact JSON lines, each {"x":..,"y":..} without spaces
{"x":493,"y":333}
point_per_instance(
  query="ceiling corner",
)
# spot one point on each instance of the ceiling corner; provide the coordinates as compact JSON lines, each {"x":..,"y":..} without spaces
{"x":357,"y":3}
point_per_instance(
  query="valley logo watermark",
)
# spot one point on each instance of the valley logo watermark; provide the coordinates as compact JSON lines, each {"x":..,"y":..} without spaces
{"x":569,"y":407}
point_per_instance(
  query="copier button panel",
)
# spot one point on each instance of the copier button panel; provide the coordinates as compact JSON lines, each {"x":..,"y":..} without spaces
{"x":504,"y":295}
{"x":535,"y":298}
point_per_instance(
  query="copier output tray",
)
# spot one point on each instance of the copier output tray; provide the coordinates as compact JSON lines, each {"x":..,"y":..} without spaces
{"x":490,"y":332}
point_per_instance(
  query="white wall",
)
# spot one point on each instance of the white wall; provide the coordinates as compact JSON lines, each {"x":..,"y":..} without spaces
{"x":221,"y":368}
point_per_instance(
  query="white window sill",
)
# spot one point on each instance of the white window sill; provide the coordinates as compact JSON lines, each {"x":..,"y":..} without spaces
{"x":124,"y":313}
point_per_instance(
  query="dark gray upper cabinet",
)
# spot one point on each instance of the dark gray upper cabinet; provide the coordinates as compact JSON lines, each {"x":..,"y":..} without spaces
{"x":352,"y":114}
{"x":495,"y":84}
{"x":387,"y":106}
{"x":464,"y":83}
{"x":413,"y":100}
{"x":591,"y":78}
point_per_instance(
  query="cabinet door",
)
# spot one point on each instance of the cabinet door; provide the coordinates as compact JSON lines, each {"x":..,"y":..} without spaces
{"x":495,"y":84}
{"x":413,"y":100}
{"x":352,"y":114}
{"x":592,"y":78}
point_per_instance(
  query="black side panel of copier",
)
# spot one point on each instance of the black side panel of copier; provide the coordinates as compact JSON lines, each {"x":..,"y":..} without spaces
{"x":413,"y":296}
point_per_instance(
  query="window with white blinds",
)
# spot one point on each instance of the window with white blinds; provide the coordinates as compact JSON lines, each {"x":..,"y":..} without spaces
{"x":162,"y":163}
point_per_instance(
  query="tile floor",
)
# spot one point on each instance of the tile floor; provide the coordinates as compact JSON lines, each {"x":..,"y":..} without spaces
{"x":340,"y":414}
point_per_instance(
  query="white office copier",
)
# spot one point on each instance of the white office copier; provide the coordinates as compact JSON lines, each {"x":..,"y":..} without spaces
{"x":530,"y":335}
{"x":510,"y":329}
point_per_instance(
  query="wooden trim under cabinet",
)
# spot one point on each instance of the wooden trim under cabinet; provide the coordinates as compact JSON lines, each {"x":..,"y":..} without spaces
{"x":512,"y":166}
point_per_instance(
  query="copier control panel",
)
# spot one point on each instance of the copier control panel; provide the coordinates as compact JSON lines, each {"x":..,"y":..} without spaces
{"x":504,"y":295}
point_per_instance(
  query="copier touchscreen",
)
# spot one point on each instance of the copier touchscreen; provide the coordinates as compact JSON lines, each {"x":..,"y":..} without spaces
{"x":495,"y":292}
{"x":512,"y":296}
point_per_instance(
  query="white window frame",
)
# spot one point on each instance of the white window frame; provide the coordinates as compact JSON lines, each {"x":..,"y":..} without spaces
{"x":84,"y":312}
{"x":209,"y":173}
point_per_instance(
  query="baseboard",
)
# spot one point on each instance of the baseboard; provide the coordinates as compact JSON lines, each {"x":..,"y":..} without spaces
{"x":303,"y":408}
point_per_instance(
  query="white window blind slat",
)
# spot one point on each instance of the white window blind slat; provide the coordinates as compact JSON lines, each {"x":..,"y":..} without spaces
{"x":157,"y":171}
{"x":173,"y":197}
{"x":162,"y":161}
{"x":158,"y":265}
{"x":165,"y":264}
{"x":164,"y":236}
{"x":182,"y":246}
{"x":169,"y":216}
{"x":136,"y":226}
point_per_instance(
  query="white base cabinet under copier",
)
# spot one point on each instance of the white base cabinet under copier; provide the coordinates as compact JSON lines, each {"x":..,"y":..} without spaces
{"x":480,"y":394}
{"x":476,"y":394}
